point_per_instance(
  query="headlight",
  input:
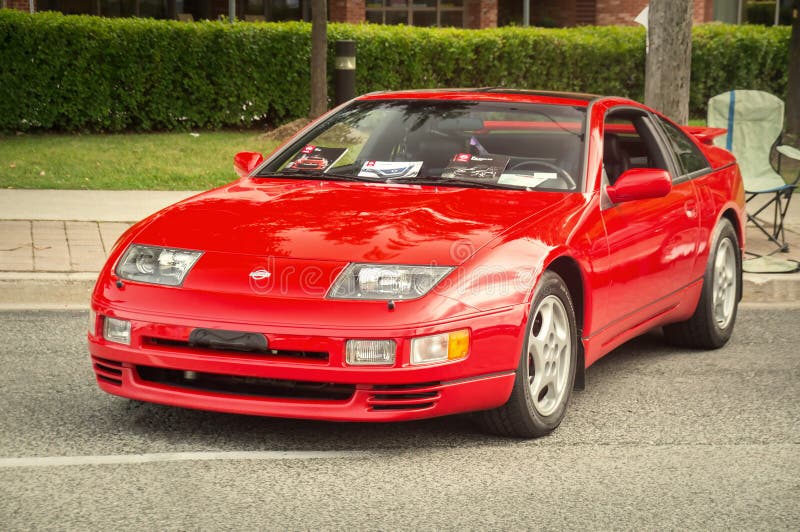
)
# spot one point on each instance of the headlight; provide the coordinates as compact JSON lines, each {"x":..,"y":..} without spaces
{"x":381,"y":281}
{"x":157,"y":265}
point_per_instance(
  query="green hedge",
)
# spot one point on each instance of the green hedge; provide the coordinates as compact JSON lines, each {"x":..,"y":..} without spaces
{"x":726,"y":57}
{"x":81,"y":73}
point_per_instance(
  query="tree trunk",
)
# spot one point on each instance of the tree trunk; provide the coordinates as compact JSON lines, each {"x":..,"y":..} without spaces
{"x":319,"y":58}
{"x":793,"y":92}
{"x":669,"y":58}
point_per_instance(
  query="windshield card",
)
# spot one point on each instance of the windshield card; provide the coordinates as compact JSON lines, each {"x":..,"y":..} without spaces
{"x":482,"y":167}
{"x":315,"y":158}
{"x":526,"y":180}
{"x":387,"y":169}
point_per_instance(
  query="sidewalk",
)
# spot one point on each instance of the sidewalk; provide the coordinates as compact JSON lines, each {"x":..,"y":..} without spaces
{"x":776,"y":287}
{"x":69,"y":230}
{"x":53,"y":243}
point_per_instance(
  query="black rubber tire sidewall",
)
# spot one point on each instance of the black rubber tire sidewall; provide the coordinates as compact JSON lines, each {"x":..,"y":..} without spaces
{"x":550,"y":284}
{"x":719,"y":336}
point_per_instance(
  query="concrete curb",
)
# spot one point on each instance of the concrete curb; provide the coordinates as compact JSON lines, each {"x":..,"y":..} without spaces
{"x":23,"y":290}
{"x":771,"y":288}
{"x":86,"y":205}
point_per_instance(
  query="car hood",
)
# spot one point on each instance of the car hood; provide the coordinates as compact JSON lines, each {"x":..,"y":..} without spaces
{"x":344,"y":221}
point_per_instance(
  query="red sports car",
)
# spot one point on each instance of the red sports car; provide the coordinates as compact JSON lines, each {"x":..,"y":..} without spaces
{"x":340,"y":296}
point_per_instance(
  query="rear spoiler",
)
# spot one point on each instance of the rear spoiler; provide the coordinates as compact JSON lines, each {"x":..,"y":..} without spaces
{"x":705,"y":135}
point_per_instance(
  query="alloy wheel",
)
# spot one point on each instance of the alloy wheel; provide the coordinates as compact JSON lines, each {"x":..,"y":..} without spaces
{"x":724,"y":283}
{"x":549,"y":349}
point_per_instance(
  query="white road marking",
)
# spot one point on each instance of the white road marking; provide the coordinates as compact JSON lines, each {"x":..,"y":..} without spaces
{"x":58,"y":461}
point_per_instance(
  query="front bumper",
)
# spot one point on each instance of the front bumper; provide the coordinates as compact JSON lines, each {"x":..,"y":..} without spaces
{"x":304,"y":375}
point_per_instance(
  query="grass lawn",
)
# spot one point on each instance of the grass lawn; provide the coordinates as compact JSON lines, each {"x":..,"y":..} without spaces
{"x":152,"y":161}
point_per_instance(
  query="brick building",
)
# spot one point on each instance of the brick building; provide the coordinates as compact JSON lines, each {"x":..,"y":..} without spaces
{"x":23,"y":5}
{"x":456,"y":13}
{"x":565,"y":13}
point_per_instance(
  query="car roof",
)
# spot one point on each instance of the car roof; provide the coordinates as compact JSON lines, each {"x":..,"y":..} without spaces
{"x":496,"y":94}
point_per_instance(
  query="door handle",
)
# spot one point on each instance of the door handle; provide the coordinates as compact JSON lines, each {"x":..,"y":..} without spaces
{"x":690,"y":207}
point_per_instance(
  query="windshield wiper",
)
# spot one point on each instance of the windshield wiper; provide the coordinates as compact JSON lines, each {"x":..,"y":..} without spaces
{"x":330,"y":176}
{"x":454,"y":182}
{"x":316,"y":174}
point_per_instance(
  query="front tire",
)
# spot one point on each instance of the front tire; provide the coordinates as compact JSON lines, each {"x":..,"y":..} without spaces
{"x":546,"y":370}
{"x":711,"y":325}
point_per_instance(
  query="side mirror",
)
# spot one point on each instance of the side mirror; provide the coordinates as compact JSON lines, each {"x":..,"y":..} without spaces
{"x":640,"y":183}
{"x":245,"y":162}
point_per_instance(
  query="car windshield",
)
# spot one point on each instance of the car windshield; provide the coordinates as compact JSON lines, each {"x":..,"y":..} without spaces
{"x":454,"y":143}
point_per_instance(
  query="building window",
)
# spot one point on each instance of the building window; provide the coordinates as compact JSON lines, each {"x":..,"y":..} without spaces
{"x":416,"y":12}
{"x":186,"y":10}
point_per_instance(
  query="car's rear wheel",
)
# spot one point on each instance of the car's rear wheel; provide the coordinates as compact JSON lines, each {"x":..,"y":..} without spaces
{"x":546,"y":370}
{"x":711,"y":325}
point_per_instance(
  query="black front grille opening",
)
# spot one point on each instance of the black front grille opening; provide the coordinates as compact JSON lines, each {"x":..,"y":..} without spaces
{"x":419,"y":406}
{"x":247,"y":386}
{"x":311,"y":355}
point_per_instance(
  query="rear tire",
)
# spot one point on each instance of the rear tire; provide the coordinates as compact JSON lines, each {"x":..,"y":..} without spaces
{"x":546,"y":370}
{"x":711,"y":325}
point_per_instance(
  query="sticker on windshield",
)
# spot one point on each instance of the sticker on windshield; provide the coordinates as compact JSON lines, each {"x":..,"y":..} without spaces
{"x":390,"y":169}
{"x":526,"y":180}
{"x":481,"y":167}
{"x":316,"y":159}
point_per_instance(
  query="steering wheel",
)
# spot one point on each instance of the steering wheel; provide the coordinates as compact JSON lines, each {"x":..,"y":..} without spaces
{"x":560,"y":172}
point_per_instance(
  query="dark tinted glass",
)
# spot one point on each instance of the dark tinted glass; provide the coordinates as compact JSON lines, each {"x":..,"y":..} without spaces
{"x":689,"y":156}
{"x":488,"y":143}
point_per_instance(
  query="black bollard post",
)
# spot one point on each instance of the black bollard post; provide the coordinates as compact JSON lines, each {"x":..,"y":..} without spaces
{"x":344,"y":76}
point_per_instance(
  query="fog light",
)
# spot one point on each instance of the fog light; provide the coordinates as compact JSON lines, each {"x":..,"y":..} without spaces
{"x":118,"y":331}
{"x":370,"y":352}
{"x":440,"y":347}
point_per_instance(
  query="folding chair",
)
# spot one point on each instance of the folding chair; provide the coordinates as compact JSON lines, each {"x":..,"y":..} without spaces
{"x":754,"y":123}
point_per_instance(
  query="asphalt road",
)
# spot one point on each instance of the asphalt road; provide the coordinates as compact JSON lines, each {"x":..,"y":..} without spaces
{"x":660,"y":439}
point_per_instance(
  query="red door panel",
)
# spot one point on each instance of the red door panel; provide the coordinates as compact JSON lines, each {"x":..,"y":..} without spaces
{"x":652,"y":247}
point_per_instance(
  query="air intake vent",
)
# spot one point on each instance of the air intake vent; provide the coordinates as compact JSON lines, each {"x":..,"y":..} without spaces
{"x":404,"y":396}
{"x":108,"y":371}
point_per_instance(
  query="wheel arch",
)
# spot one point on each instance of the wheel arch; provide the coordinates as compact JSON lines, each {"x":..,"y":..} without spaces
{"x":569,"y":270}
{"x":730,"y":214}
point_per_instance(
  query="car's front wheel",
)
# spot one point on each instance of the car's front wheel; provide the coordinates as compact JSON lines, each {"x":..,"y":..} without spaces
{"x":546,"y":371}
{"x":711,"y":325}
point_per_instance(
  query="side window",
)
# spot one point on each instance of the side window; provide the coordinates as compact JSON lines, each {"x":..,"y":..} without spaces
{"x":689,"y":157}
{"x":628,"y":142}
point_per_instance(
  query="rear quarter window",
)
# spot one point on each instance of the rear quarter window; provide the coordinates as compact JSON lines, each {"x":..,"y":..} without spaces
{"x":688,"y":156}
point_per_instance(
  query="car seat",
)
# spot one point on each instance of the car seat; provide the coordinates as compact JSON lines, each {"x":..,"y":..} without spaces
{"x":615,"y":159}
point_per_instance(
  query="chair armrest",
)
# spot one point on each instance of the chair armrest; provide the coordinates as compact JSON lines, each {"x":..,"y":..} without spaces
{"x":790,"y":152}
